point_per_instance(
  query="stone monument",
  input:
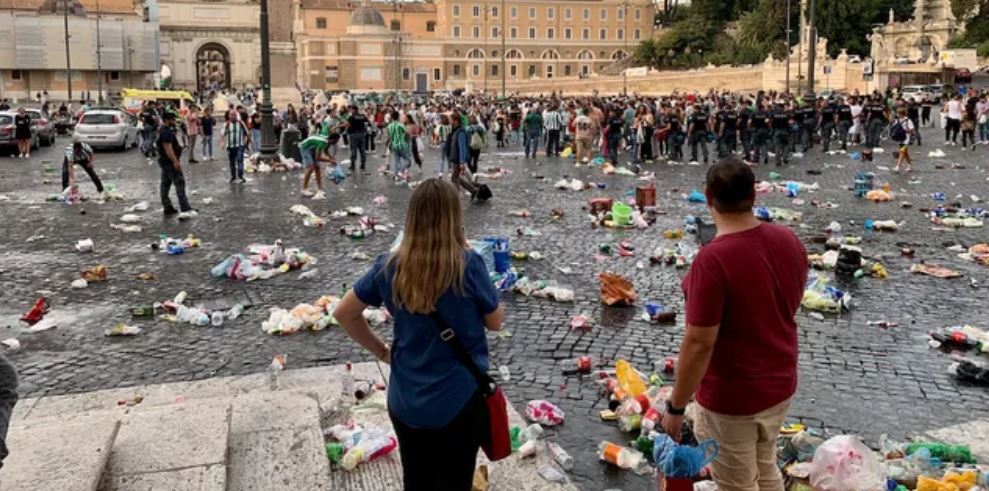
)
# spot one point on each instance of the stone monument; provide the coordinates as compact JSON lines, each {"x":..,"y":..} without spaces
{"x":918,"y":40}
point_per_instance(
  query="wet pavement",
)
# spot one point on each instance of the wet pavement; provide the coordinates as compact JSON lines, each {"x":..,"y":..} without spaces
{"x":853,"y":376}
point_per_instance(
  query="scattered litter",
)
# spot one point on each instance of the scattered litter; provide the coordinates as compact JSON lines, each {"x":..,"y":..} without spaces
{"x":126,"y":228}
{"x":79,"y":284}
{"x":934,"y":270}
{"x":95,"y":274}
{"x":937,"y":153}
{"x":37,"y":312}
{"x":122,"y":330}
{"x":85,"y":245}
{"x":616,"y":290}
{"x":262,"y":261}
{"x":12,"y":344}
{"x":544,"y":412}
{"x":35,"y":238}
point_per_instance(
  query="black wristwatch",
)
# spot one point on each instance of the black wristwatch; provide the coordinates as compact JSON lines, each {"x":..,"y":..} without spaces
{"x":675,"y":411}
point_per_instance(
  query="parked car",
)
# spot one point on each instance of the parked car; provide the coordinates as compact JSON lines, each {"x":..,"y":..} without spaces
{"x":107,"y":128}
{"x":7,"y":131}
{"x":963,"y":76}
{"x":917,"y":92}
{"x":45,"y":125}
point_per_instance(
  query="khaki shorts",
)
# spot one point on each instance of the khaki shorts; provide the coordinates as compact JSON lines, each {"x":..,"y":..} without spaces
{"x":746,"y":459}
{"x":583,"y":146}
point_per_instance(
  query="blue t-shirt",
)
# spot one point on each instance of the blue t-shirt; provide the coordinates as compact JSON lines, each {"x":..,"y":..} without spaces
{"x":428,"y":387}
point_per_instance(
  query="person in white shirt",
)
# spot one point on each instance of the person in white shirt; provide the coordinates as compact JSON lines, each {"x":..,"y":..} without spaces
{"x":953,"y":112}
{"x":552,"y":123}
{"x":855,"y":132}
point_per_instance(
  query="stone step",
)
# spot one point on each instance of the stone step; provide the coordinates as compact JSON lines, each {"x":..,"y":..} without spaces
{"x":973,"y":434}
{"x":67,"y":455}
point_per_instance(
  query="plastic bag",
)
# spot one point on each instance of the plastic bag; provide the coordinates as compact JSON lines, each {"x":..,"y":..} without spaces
{"x":616,"y":290}
{"x":844,"y":463}
{"x":544,"y":412}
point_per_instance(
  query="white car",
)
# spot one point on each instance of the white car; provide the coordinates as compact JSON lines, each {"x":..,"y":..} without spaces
{"x":917,"y":92}
{"x":107,"y":128}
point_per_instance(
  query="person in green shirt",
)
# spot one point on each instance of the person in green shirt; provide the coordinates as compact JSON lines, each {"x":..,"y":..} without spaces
{"x":532,"y":128}
{"x":314,"y":151}
{"x":398,"y":145}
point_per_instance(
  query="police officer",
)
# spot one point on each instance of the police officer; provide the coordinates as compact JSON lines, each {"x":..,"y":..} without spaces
{"x":761,"y":132}
{"x":826,"y":121}
{"x":875,"y":122}
{"x":697,"y":129}
{"x":727,"y":131}
{"x":807,"y":115}
{"x":845,"y":122}
{"x":782,"y":123}
{"x":745,"y":132}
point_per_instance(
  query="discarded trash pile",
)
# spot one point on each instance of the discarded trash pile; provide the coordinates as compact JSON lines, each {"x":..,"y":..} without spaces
{"x":315,"y":316}
{"x":353,"y":444}
{"x":176,"y":311}
{"x":262,"y":262}
{"x":969,"y":345}
{"x":252,"y":164}
{"x":174,"y":247}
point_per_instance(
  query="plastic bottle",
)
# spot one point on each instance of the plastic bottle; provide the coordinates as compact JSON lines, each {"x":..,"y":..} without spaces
{"x":629,"y":422}
{"x":235,"y":312}
{"x":180,"y":298}
{"x":506,"y":374}
{"x":651,"y":419}
{"x":528,"y":449}
{"x":347,"y":382}
{"x":533,"y":432}
{"x":623,"y":457}
{"x":216,"y":319}
{"x":628,"y":379}
{"x":175,"y":249}
{"x":374,"y":443}
{"x":201,"y":319}
{"x":574,"y":365}
{"x":560,"y":456}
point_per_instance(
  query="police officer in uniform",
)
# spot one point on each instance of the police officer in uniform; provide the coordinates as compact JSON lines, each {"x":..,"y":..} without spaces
{"x":697,"y":126}
{"x":761,"y":133}
{"x":745,"y":132}
{"x":826,"y":121}
{"x":807,"y":115}
{"x":876,"y":121}
{"x":845,"y":122}
{"x":782,"y":123}
{"x":727,"y":131}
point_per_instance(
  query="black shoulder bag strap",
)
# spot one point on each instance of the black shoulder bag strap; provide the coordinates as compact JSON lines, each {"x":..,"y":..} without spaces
{"x":484,"y":381}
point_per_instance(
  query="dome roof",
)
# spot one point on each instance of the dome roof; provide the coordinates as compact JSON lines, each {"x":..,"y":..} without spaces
{"x":366,"y":15}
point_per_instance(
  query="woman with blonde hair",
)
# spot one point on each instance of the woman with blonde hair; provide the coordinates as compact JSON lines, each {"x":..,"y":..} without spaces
{"x":431,"y":283}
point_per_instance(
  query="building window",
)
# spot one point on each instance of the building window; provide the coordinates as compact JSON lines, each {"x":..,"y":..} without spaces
{"x":476,"y":11}
{"x":513,"y":54}
{"x":431,"y":26}
{"x":585,"y":33}
{"x":604,"y":14}
{"x":532,"y":33}
{"x":494,"y":11}
{"x":494,"y":70}
{"x":513,"y":70}
{"x":494,"y":32}
{"x":456,"y":10}
{"x":549,"y":71}
{"x":406,"y":74}
{"x":330,"y":73}
{"x":621,"y":13}
{"x":604,"y":34}
{"x":587,"y":14}
{"x":550,"y":33}
{"x":567,"y":71}
{"x":456,"y":31}
{"x":532,"y":12}
{"x":396,"y":25}
{"x":513,"y":33}
{"x":515,"y":12}
{"x":114,"y":75}
{"x":638,"y":34}
{"x":621,"y":34}
{"x":475,"y":54}
{"x":550,"y":13}
{"x":585,"y":70}
{"x":494,"y":54}
{"x":567,"y":33}
{"x":638,"y":13}
{"x":437,"y":75}
{"x":16,"y":75}
{"x":320,"y":22}
{"x":567,"y":13}
{"x":476,"y":69}
{"x":456,"y":70}
{"x":532,"y":71}
{"x":477,"y":31}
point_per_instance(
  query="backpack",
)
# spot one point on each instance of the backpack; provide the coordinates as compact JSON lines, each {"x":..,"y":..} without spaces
{"x":476,"y":141}
{"x":483,"y":192}
{"x":897,"y":133}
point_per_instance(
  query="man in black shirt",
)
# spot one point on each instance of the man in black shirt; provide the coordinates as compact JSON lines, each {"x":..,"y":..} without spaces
{"x":149,"y":128}
{"x":782,"y":123}
{"x":697,"y":131}
{"x":727,"y":131}
{"x":913,"y":112}
{"x":357,"y":124}
{"x":826,"y":121}
{"x":760,"y":124}
{"x":169,"y":155}
{"x":807,"y":115}
{"x":876,"y":121}
{"x":845,"y":121}
{"x":745,"y":133}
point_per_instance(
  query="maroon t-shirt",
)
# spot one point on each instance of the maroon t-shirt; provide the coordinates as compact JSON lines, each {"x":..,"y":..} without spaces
{"x":750,"y":283}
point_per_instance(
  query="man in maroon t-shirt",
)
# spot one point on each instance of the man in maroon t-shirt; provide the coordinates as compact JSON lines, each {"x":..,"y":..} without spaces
{"x":739,"y":352}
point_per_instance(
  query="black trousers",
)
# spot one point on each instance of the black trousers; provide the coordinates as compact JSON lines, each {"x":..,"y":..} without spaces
{"x":90,"y":171}
{"x":552,"y":143}
{"x":458,"y":443}
{"x":358,"y":145}
{"x":170,"y":176}
{"x":474,"y":157}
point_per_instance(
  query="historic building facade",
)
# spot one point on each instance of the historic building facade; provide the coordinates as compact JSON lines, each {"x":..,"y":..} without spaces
{"x":450,"y":44}
{"x":109,"y":38}
{"x":919,"y":39}
{"x":217,"y":43}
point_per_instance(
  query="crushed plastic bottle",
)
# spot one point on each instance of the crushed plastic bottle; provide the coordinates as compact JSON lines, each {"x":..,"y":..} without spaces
{"x":506,"y":374}
{"x":575,"y":365}
{"x":235,"y":311}
{"x":374,"y":443}
{"x":216,"y":319}
{"x":277,"y":365}
{"x":560,"y":456}
{"x":624,"y":457}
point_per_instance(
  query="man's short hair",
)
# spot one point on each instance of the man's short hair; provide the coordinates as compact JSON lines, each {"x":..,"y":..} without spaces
{"x":730,"y":184}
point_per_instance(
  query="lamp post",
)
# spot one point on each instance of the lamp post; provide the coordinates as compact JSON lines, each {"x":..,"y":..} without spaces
{"x":502,"y":33}
{"x":485,"y":59}
{"x":268,"y":145}
{"x":625,"y":53}
{"x":99,"y":58}
{"x":811,"y":52}
{"x":788,"y":30}
{"x":68,"y":56}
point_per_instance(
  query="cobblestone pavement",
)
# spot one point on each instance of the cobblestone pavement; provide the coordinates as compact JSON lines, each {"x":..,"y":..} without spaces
{"x":853,"y":376}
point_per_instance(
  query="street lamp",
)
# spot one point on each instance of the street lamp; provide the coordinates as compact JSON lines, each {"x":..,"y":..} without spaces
{"x":268,"y":145}
{"x":99,"y":58}
{"x":788,"y":30}
{"x":811,"y":52}
{"x":624,"y":58}
{"x":502,"y":33}
{"x":68,"y":56}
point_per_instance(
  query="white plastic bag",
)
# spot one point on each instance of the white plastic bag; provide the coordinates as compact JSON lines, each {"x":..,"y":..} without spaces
{"x":844,"y":463}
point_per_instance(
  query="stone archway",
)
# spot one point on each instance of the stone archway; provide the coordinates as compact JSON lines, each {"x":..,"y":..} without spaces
{"x":212,"y":66}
